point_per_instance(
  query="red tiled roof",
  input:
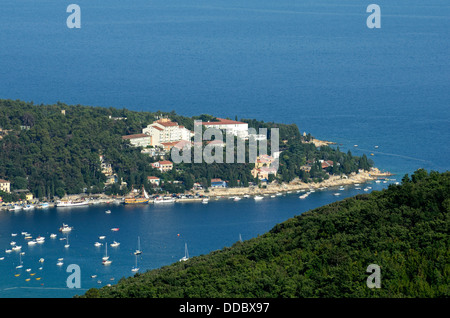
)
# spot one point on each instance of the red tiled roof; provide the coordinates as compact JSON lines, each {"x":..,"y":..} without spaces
{"x":165,"y":162}
{"x":167,"y":123}
{"x":135,"y":136}
{"x":222,"y":121}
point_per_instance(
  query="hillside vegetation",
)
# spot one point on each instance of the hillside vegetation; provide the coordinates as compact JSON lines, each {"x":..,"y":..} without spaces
{"x":325,"y":252}
{"x":54,"y":150}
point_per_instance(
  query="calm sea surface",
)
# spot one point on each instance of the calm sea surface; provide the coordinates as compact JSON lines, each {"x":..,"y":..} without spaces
{"x":312,"y":63}
{"x":163,"y":231}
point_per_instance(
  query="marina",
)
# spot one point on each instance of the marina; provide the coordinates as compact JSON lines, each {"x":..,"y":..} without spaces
{"x":140,"y":237}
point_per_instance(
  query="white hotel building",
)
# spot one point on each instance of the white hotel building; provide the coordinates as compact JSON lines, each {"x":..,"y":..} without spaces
{"x":165,"y":130}
{"x":236,"y":128}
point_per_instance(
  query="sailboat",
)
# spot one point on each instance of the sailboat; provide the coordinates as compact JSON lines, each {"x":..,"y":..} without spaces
{"x":135,"y":268}
{"x":105,"y":259}
{"x":186,"y":254}
{"x":144,"y":198}
{"x":20,"y":261}
{"x":67,"y":242}
{"x":138,"y":251}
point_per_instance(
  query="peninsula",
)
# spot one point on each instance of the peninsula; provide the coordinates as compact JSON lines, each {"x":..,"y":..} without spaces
{"x":51,"y":152}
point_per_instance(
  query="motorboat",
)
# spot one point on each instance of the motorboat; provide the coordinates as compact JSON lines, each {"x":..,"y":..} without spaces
{"x":65,"y":228}
{"x":164,"y":200}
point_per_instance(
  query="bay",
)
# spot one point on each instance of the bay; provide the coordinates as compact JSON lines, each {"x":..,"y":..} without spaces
{"x":312,"y":63}
{"x":163,"y":230}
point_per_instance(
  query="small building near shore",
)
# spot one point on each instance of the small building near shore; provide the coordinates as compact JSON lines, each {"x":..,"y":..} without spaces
{"x":154,"y":180}
{"x":218,"y":183}
{"x":5,"y":186}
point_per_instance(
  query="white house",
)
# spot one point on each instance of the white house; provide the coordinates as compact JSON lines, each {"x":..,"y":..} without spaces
{"x":236,"y":128}
{"x":5,"y":186}
{"x":139,"y":140}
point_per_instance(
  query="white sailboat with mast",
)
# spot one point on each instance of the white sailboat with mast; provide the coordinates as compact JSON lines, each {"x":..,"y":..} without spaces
{"x":138,"y":251}
{"x":186,"y":254}
{"x":105,"y":259}
{"x":135,"y":268}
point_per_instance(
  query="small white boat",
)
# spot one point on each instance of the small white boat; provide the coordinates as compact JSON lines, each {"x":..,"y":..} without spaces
{"x":246,"y":196}
{"x":205,"y":201}
{"x":17,"y":248}
{"x":15,"y":208}
{"x":138,"y":251}
{"x":44,"y":205}
{"x":135,"y":268}
{"x":65,"y":228}
{"x":108,"y":211}
{"x":164,"y":200}
{"x":40,"y":239}
{"x":186,"y":254}
{"x":97,"y":244}
{"x":115,"y":229}
{"x":101,"y":237}
{"x":304,"y":196}
{"x":236,"y":199}
{"x":366,"y":189}
{"x":2,"y":258}
{"x":32,"y":242}
{"x":105,"y":259}
{"x":13,"y":234}
{"x":53,"y":235}
{"x":28,"y":207}
{"x":12,"y":243}
{"x":41,"y":260}
{"x":115,"y":244}
{"x":8,"y":251}
{"x":20,"y":262}
{"x":59,"y":263}
{"x":257,"y":197}
{"x":337,"y":194}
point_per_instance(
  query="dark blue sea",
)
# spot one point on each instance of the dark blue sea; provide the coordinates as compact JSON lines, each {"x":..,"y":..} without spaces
{"x":312,"y":63}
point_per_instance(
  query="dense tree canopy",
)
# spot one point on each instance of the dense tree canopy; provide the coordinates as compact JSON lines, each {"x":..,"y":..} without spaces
{"x":325,"y":252}
{"x":54,"y":150}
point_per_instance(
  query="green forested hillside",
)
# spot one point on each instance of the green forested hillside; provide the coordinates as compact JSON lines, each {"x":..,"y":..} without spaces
{"x":53,"y":150}
{"x":325,"y":252}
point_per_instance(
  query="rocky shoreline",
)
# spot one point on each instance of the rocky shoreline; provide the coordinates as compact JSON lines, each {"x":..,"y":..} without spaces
{"x":296,"y":184}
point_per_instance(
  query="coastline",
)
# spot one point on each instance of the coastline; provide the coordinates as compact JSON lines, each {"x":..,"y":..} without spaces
{"x":270,"y":189}
{"x":297,"y":185}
